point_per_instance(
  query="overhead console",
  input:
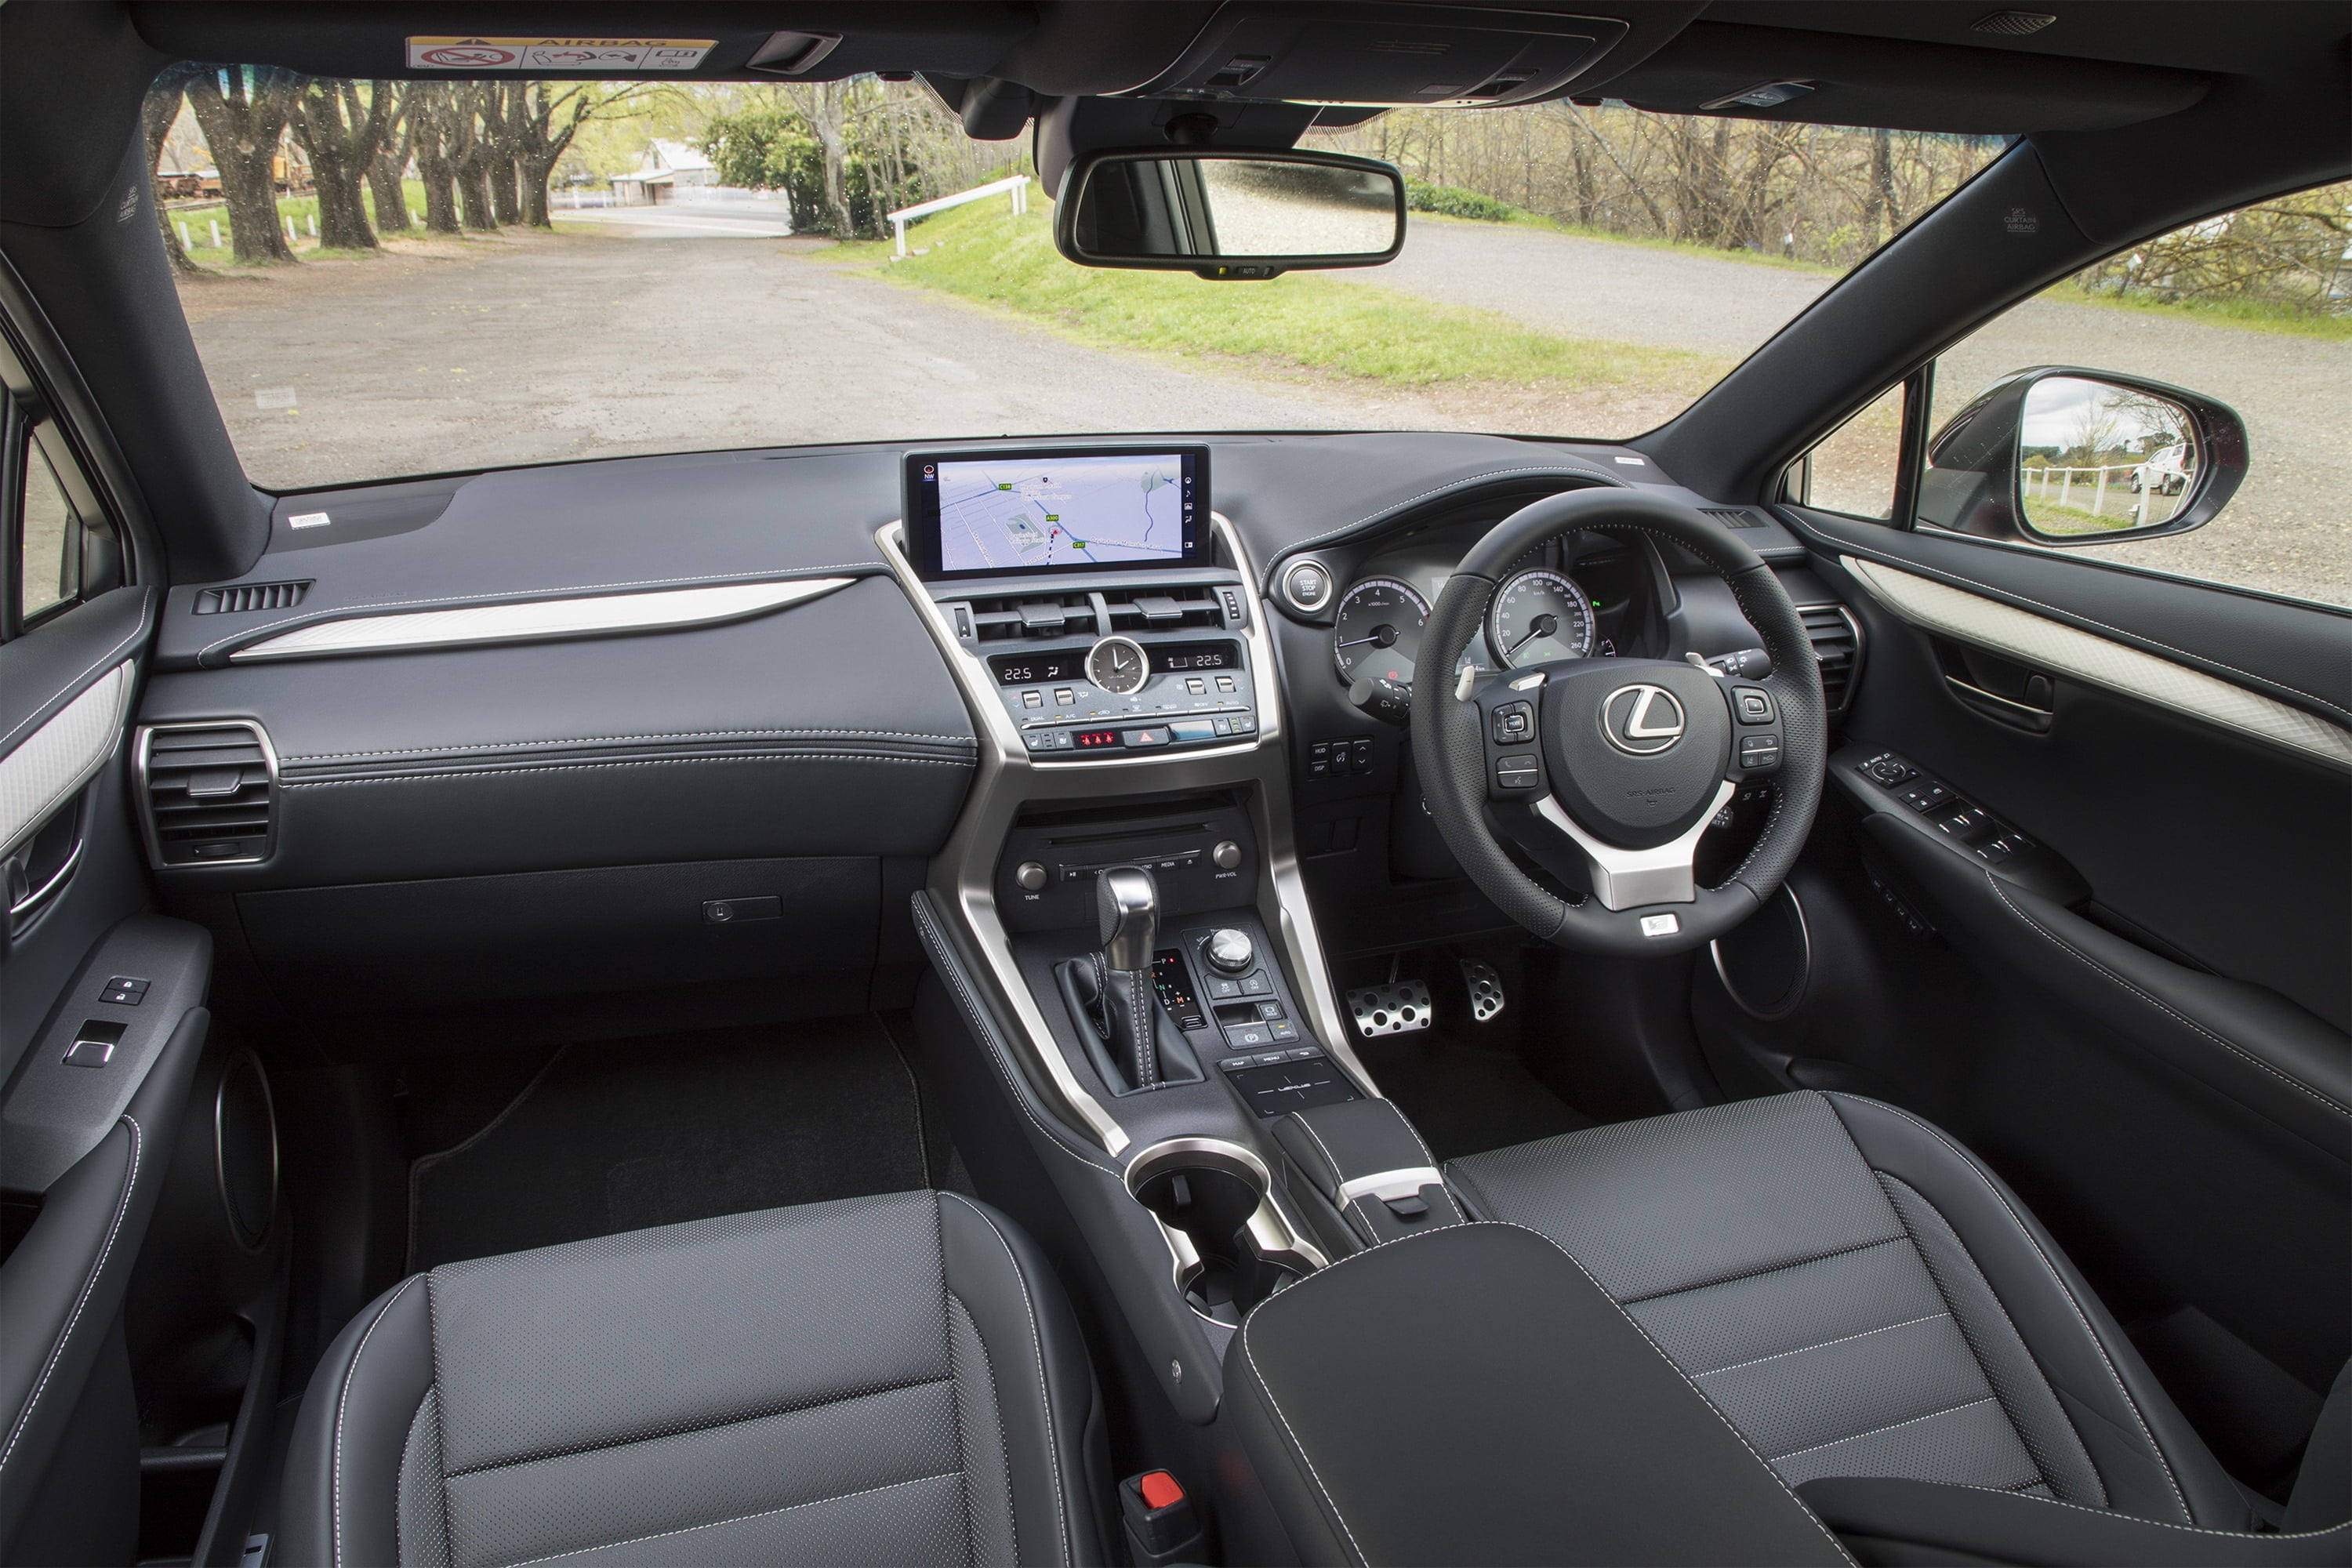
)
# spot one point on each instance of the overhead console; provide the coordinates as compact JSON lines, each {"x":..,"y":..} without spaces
{"x":1081,"y":579}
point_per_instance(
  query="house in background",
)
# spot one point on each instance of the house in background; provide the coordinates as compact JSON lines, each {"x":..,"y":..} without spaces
{"x":671,"y":169}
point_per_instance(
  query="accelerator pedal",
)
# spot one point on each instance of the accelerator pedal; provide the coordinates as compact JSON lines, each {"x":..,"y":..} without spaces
{"x":1485,"y":988}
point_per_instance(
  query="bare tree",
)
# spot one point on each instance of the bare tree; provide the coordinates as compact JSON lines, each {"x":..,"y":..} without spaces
{"x":343,"y":136}
{"x":501,"y":104}
{"x":542,"y":122}
{"x":387,"y":171}
{"x":473,"y":154}
{"x":432,"y":116}
{"x":161,"y":108}
{"x":242,"y":110}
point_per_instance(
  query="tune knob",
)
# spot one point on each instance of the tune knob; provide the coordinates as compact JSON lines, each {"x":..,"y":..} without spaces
{"x":1030,"y":875}
{"x":1228,"y":950}
{"x":1227,"y":855}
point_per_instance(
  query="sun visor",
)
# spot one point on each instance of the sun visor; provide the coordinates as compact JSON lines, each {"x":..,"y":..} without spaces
{"x":1835,"y":78}
{"x":1307,"y":51}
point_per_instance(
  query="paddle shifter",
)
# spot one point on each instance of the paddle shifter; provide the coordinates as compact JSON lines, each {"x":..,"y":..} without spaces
{"x":1127,"y":911}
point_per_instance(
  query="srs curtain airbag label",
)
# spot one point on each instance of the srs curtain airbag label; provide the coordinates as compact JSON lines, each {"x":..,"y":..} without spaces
{"x":558,"y":54}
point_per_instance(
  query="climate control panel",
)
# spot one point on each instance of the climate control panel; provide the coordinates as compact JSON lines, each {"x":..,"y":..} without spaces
{"x":1120,"y":695}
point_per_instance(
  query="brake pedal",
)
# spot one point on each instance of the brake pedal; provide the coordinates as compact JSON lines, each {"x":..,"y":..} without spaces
{"x":1486,"y":998}
{"x":1394,"y":1009}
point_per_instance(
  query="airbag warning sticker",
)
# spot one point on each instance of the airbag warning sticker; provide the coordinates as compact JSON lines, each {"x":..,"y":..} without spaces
{"x":558,"y":54}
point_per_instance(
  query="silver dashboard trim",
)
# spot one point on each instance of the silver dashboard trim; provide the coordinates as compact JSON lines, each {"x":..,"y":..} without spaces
{"x":1624,"y":878}
{"x":963,"y":873}
{"x":530,"y":619}
{"x":2065,"y":650}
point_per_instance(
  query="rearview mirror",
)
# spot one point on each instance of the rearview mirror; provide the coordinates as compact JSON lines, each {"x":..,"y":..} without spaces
{"x":2065,"y":456}
{"x":1229,"y":214}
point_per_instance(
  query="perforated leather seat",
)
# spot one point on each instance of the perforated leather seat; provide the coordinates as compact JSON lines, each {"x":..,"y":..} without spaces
{"x":1861,"y":1297}
{"x":883,"y":1380}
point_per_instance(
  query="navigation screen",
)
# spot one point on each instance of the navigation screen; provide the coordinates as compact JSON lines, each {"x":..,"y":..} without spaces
{"x":1010,"y":512}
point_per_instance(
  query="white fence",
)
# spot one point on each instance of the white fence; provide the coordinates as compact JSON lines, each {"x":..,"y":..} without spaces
{"x":1017,"y":187}
{"x":2057,"y":485}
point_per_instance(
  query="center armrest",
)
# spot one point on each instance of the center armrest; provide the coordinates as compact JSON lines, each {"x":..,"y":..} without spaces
{"x":1367,"y":1161}
{"x":1470,"y":1395}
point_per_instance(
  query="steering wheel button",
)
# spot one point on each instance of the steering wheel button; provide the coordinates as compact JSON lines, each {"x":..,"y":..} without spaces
{"x":1754,"y":705}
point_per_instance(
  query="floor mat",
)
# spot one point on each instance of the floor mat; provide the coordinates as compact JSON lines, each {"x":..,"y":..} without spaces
{"x":1465,"y":1100}
{"x":622,"y":1134}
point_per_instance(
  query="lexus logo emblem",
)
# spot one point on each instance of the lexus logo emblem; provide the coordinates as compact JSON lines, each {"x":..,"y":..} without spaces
{"x":1642,"y":720}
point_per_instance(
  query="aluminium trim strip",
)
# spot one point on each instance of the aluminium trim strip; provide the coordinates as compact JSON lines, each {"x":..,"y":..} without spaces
{"x":2096,"y":661}
{"x":44,"y":769}
{"x":528,"y":620}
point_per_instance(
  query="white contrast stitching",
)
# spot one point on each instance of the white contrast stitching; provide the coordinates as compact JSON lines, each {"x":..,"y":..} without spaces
{"x":1891,"y":1426}
{"x":654,"y":762}
{"x":1275,"y":1405}
{"x":737,"y":1518}
{"x":537,"y":595}
{"x":1688,"y":1382}
{"x":68,"y":686}
{"x":343,"y":1402}
{"x":1801,"y":1350}
{"x":615,"y":740}
{"x":58,"y":1351}
{"x":1044,"y":1393}
{"x":2069,"y":948}
{"x":2055,"y":1278}
{"x":2156,"y":1523}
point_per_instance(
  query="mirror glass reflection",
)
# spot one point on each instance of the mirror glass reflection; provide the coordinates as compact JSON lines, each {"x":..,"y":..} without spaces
{"x":2096,"y":458}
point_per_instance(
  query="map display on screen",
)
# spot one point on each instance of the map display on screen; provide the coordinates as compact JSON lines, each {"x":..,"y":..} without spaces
{"x":1030,"y":513}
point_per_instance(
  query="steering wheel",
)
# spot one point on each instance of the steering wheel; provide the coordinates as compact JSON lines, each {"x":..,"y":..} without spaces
{"x":1630,"y":758}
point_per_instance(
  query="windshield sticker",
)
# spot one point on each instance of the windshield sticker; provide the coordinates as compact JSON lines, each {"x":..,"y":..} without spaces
{"x":558,"y":54}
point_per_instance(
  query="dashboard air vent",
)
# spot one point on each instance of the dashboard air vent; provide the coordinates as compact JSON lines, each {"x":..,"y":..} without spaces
{"x":1733,"y":516}
{"x":1837,"y":648}
{"x":247,"y":596}
{"x":1032,"y":615}
{"x":209,"y":792}
{"x":1162,"y":609}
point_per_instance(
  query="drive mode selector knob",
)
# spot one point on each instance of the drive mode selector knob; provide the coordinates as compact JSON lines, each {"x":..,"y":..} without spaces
{"x":1030,"y":875}
{"x":1228,"y":950}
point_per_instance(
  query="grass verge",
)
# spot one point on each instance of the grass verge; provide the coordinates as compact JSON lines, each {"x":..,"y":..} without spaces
{"x":984,"y":254}
{"x":2252,"y":315}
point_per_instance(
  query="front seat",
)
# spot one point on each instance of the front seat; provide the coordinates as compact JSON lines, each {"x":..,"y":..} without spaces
{"x":1873,"y":1309}
{"x":888,"y":1378}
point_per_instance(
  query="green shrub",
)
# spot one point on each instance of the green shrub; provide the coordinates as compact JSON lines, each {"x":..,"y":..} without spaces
{"x":1453,"y":201}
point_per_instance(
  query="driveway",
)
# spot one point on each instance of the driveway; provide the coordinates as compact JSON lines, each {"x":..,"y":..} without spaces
{"x":2288,"y":529}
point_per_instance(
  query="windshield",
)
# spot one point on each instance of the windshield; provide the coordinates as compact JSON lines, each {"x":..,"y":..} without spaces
{"x":386,"y":279}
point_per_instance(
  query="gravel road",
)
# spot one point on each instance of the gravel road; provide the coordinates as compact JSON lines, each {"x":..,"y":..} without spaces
{"x":683,"y":329}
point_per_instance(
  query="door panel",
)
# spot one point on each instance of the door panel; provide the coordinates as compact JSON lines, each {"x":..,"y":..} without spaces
{"x":2136,"y":1005}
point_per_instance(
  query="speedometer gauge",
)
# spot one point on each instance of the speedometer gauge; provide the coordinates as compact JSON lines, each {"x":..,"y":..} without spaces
{"x":1538,"y":615}
{"x":1377,"y":635}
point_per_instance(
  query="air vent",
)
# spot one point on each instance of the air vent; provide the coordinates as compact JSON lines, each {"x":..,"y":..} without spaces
{"x":1162,"y":609}
{"x":247,"y":596}
{"x":1837,"y":648}
{"x":2012,"y":24}
{"x":209,"y":791}
{"x":1733,"y":517}
{"x":1032,"y":615}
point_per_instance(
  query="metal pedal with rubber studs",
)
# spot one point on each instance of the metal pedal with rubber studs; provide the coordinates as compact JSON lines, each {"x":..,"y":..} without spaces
{"x":1485,"y":987}
{"x":1391,"y":1009}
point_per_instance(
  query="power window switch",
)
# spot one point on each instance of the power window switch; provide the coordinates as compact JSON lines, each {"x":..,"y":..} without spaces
{"x":93,"y":1044}
{"x":1996,"y":851}
{"x":1925,"y":795}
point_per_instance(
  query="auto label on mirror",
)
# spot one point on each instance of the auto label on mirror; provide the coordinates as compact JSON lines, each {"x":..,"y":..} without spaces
{"x":455,"y":54}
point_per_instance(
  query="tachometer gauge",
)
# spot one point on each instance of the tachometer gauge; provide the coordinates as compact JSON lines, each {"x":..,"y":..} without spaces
{"x":1538,"y":615}
{"x":1377,"y":634}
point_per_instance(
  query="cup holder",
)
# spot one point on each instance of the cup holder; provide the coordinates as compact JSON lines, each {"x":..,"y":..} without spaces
{"x":1230,"y":1246}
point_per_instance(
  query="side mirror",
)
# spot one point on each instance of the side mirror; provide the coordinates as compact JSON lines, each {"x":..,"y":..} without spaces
{"x":1229,"y":214}
{"x":2058,"y":456}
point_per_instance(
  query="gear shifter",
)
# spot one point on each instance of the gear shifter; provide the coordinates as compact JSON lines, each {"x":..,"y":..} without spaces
{"x":1127,"y":911}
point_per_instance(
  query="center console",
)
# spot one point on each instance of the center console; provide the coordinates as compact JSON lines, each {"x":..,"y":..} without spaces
{"x":1119,"y":925}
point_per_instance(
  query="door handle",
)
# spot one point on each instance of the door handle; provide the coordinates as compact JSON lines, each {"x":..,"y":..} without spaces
{"x":2022,"y":715}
